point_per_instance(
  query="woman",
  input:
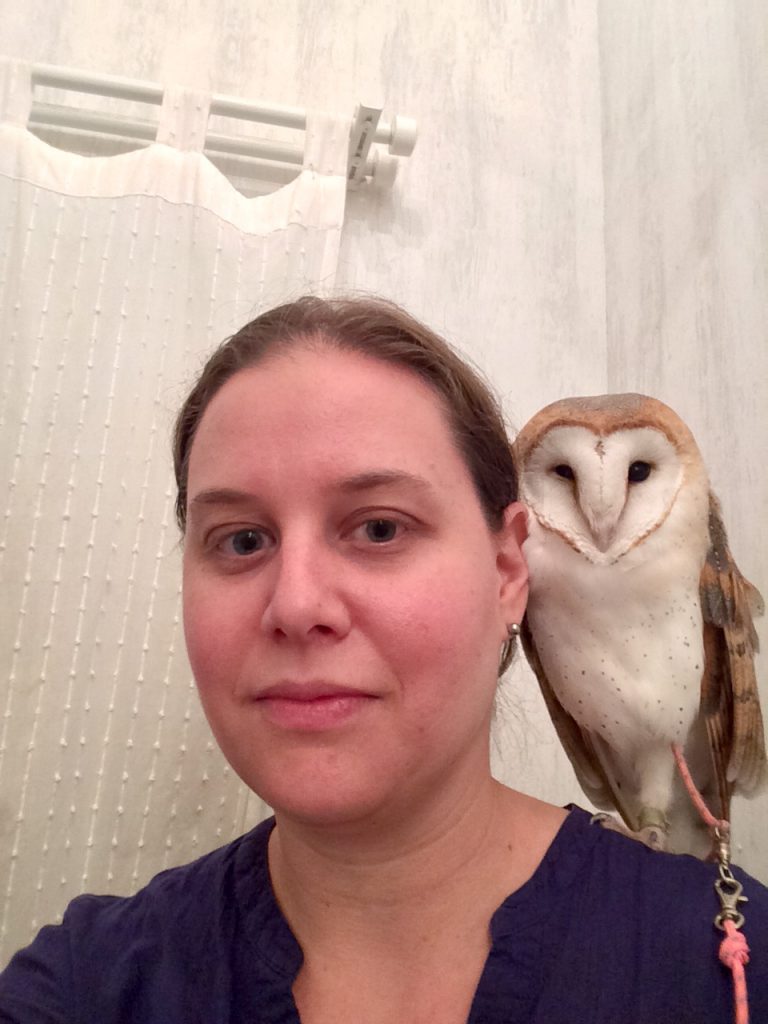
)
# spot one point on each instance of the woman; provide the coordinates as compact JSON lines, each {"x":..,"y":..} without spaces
{"x":353,"y":577}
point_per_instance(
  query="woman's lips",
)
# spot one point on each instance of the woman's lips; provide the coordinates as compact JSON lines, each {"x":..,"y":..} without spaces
{"x":311,"y":708}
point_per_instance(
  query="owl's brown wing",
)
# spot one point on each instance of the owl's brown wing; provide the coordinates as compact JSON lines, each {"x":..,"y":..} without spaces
{"x":590,"y":764}
{"x":730,"y":701}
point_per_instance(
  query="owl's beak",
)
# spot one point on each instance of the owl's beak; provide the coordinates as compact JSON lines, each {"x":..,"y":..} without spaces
{"x":602,"y":518}
{"x":603,"y":534}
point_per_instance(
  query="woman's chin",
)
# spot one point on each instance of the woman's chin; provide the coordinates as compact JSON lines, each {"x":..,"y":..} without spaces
{"x":319,"y":798}
{"x":336,"y":811}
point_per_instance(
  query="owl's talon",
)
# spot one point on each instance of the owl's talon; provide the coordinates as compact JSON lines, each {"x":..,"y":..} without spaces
{"x":608,"y":821}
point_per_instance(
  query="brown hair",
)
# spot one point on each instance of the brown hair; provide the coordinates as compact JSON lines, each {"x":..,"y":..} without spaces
{"x":383,"y":331}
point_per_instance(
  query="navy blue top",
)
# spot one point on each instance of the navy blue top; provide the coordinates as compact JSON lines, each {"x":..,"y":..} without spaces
{"x":604,"y":931}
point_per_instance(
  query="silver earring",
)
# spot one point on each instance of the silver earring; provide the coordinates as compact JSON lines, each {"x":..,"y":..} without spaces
{"x":508,"y":647}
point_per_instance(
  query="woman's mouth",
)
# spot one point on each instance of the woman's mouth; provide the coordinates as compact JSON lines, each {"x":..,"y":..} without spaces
{"x":311,"y":707}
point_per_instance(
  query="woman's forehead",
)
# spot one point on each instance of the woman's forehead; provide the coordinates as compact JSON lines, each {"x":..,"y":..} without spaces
{"x":331,"y":405}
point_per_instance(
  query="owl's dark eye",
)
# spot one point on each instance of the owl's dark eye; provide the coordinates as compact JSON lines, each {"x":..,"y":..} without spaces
{"x":565,"y":471}
{"x":638,"y":472}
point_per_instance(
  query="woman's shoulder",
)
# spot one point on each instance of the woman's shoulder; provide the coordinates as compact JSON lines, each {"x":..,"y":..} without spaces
{"x":161,"y":935}
{"x":613,"y":848}
{"x":596,"y":859}
{"x":647,"y":919}
{"x":186,"y":890}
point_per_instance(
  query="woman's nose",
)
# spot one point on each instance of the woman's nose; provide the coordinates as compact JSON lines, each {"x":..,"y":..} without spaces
{"x":304,"y":599}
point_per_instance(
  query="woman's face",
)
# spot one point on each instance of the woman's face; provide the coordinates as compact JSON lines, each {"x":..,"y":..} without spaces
{"x":344,"y":598}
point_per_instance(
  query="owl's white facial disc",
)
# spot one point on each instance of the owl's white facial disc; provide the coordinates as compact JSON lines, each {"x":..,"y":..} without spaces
{"x":602,"y":494}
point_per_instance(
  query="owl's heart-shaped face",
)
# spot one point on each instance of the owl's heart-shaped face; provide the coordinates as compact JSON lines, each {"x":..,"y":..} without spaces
{"x":603,"y":493}
{"x":606,"y":473}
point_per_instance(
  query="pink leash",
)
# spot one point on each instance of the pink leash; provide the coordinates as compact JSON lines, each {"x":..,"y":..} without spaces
{"x":734,"y":951}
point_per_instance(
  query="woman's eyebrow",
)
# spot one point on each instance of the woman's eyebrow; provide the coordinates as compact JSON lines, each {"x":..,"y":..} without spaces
{"x":220,"y":496}
{"x":383,"y":478}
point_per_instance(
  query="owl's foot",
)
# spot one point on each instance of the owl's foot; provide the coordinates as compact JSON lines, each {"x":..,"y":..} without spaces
{"x":653,"y":836}
{"x":611,"y":823}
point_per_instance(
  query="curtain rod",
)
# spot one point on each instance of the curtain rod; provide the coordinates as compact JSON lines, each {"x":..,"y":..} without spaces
{"x":399,"y":134}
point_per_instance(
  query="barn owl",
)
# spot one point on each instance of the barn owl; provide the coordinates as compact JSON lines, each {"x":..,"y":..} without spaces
{"x":639,"y":626}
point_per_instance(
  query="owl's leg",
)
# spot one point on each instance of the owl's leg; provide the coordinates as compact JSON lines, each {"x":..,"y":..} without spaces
{"x":654,"y":771}
{"x":654,"y":828}
{"x":657,"y":773}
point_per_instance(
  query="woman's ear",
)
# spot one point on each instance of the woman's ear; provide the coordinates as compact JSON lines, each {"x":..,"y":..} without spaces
{"x":511,"y":564}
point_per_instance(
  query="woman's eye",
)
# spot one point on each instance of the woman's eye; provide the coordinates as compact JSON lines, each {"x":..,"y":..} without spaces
{"x":243,"y":542}
{"x":381,"y":530}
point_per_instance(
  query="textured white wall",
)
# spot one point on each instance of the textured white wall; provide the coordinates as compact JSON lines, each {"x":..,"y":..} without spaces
{"x":585,"y":209}
{"x":685,"y":158}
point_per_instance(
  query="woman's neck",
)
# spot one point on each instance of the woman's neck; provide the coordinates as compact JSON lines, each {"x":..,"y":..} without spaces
{"x":365,"y":887}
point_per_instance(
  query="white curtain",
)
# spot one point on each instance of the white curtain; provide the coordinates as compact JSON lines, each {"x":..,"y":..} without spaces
{"x":117,"y":276}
